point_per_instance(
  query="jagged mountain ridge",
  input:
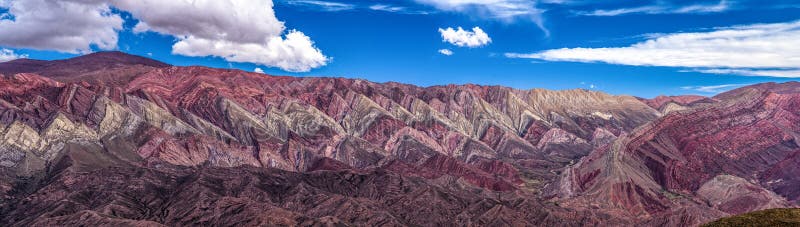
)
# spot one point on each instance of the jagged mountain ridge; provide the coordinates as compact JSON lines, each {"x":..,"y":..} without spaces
{"x":143,"y":115}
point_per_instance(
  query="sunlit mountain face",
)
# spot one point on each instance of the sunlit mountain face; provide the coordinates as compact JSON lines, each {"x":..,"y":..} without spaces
{"x":399,"y":113}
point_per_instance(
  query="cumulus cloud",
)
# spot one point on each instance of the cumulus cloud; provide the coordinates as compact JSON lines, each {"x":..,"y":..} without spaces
{"x":235,"y":30}
{"x":446,"y":52}
{"x":722,"y":6}
{"x":71,"y":26}
{"x":233,"y":20}
{"x":503,"y":10}
{"x":464,"y":38}
{"x":294,"y":53}
{"x":208,"y":28}
{"x":759,"y":49}
{"x":258,"y":70}
{"x":8,"y":55}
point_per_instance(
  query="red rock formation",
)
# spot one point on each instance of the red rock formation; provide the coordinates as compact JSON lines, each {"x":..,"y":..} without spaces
{"x":749,"y":134}
{"x":112,"y":133}
{"x":684,"y":100}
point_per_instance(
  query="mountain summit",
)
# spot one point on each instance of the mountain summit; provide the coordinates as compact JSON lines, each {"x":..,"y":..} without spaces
{"x":111,"y":66}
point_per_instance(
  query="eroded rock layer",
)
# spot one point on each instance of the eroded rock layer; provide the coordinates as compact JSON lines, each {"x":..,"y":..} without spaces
{"x":115,"y":134}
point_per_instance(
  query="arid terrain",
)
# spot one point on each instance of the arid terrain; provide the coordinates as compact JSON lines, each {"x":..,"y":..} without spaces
{"x":116,"y":139}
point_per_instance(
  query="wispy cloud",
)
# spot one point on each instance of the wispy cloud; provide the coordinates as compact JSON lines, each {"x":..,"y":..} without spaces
{"x":396,"y":9}
{"x":785,"y":73}
{"x":446,"y":52}
{"x":502,"y":10}
{"x":387,"y":8}
{"x":323,"y":5}
{"x":334,"y":6}
{"x":464,"y":38}
{"x":722,"y":6}
{"x":759,"y":49}
{"x":713,"y":89}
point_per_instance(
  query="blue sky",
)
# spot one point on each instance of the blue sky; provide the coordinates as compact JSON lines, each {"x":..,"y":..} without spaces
{"x":642,"y":48}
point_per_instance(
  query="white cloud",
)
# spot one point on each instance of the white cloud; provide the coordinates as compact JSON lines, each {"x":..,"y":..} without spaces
{"x":387,"y":8}
{"x":323,"y":5}
{"x":460,"y":37}
{"x":259,"y":70}
{"x":503,"y":10}
{"x":236,"y":30}
{"x":713,"y":88}
{"x":294,"y":53}
{"x":786,"y":73}
{"x":722,"y":6}
{"x":766,"y":48}
{"x":396,"y":9}
{"x":209,"y":28}
{"x":8,"y":55}
{"x":555,"y":1}
{"x":446,"y":52}
{"x":71,"y":26}
{"x":616,"y":12}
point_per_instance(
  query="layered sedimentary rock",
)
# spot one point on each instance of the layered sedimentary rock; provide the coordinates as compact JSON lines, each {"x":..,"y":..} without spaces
{"x":735,"y":195}
{"x":735,"y":156}
{"x":113,"y":133}
{"x":663,"y":102}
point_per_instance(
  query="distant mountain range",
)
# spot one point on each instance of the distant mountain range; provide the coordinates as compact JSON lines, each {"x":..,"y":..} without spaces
{"x":115,"y":139}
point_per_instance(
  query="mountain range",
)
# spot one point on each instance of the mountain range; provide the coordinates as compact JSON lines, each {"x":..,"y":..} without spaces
{"x":115,"y":139}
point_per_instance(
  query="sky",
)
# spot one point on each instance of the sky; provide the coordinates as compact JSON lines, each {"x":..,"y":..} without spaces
{"x":632,"y":47}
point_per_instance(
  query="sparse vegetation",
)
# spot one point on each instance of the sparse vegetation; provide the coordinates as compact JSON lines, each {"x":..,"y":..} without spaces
{"x":772,"y":218}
